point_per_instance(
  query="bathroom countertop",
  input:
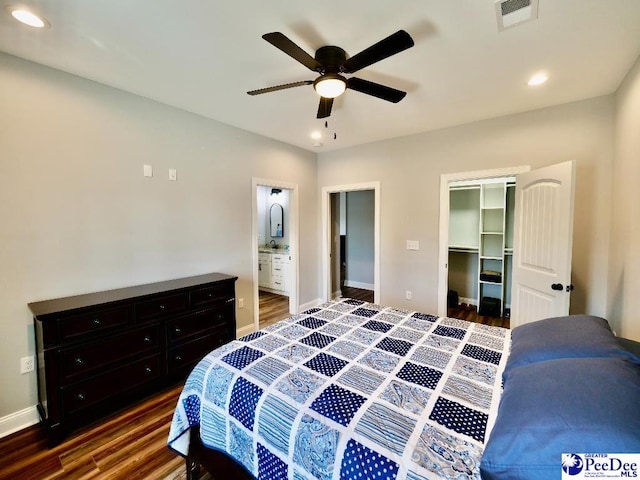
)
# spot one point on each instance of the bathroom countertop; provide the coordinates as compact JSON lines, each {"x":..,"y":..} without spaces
{"x":271,"y":250}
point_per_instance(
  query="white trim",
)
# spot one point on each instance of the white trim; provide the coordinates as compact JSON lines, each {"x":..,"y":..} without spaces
{"x":325,"y":200}
{"x":468,"y":301}
{"x":354,"y":284}
{"x":17,"y":421}
{"x":443,"y":257}
{"x":294,"y":232}
{"x":336,"y":294}
{"x":311,"y":304}
{"x":246,"y":330}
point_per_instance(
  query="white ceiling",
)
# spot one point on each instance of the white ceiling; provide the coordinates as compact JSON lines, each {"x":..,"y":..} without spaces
{"x":204,"y":55}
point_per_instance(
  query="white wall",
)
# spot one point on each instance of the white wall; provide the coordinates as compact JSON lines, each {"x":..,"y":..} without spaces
{"x":409,"y":170}
{"x":78,"y":216}
{"x":624,"y":271}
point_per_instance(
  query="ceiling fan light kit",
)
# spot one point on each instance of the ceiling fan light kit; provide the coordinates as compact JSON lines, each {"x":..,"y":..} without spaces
{"x":331,"y":62}
{"x":330,"y":85}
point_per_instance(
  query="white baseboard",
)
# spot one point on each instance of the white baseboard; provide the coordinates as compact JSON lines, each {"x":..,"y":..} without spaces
{"x":468,"y":301}
{"x":354,"y":284}
{"x":246,"y":330}
{"x":336,"y":294}
{"x":18,"y":421}
{"x":311,"y":304}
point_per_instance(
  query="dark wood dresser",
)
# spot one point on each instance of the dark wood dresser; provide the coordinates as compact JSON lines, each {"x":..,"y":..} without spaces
{"x":101,"y":351}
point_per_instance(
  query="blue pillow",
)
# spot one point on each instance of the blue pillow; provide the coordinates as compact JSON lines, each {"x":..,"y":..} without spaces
{"x":572,"y":336}
{"x":571,"y":405}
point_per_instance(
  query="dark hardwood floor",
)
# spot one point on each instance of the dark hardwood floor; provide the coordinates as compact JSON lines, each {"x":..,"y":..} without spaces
{"x":129,"y":445}
{"x":357,"y":293}
{"x":469,"y":313}
{"x":273,"y":308}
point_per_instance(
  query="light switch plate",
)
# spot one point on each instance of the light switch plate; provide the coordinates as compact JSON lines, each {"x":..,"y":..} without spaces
{"x":147,"y":170}
{"x":413,"y":245}
{"x":172,"y":174}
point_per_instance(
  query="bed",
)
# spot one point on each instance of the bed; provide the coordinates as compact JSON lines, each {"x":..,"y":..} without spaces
{"x":352,"y":390}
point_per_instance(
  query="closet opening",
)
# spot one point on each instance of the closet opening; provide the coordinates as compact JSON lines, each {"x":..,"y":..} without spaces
{"x":480,"y":249}
{"x":476,"y":244}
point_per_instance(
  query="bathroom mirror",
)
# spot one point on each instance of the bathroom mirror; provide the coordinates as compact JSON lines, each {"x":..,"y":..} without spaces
{"x":277,"y":220}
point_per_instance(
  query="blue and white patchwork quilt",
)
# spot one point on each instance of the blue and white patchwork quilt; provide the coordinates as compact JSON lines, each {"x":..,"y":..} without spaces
{"x":350,"y":390}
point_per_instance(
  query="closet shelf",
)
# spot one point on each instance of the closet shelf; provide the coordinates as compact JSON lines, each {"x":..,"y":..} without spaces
{"x":489,"y":257}
{"x":463,"y":249}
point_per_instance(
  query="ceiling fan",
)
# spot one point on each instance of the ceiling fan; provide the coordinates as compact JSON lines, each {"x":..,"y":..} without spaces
{"x":332,"y":62}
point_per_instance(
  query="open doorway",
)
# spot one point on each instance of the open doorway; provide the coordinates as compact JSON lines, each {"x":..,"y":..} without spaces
{"x":275,"y":251}
{"x":351,"y":239}
{"x":352,"y":252}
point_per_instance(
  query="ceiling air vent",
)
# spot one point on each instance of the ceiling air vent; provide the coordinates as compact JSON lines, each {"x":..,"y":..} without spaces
{"x":514,"y":12}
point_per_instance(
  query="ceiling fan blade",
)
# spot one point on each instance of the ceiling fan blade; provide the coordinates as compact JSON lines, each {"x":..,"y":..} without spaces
{"x":324,"y":108}
{"x":391,"y":45}
{"x":280,"y":87}
{"x":371,"y":88}
{"x":283,"y":43}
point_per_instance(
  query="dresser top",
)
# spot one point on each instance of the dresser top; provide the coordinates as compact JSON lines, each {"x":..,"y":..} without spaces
{"x":46,"y":307}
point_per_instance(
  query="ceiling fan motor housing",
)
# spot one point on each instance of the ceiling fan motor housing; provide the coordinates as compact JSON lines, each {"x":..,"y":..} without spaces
{"x":331,"y":58}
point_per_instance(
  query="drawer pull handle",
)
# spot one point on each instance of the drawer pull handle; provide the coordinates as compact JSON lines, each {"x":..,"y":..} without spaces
{"x":148,"y":369}
{"x":177,"y":330}
{"x":210,"y":295}
{"x":147,"y":339}
{"x":79,"y":361}
{"x":220,"y":317}
{"x":162,"y":307}
{"x":96,"y":322}
{"x":178,"y":358}
{"x":81,"y":397}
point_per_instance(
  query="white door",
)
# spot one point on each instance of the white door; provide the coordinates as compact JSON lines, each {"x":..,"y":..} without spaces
{"x":542,"y":243}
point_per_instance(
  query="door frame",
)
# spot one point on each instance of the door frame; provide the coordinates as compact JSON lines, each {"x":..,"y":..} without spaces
{"x":294,"y":232}
{"x":326,"y":235}
{"x":443,"y":244}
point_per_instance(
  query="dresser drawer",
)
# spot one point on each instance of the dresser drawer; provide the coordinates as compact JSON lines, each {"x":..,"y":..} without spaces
{"x":187,"y":325}
{"x":212,"y":294}
{"x":113,"y":383}
{"x":183,"y":357}
{"x":97,"y":321}
{"x":161,"y":306}
{"x":83,"y":360}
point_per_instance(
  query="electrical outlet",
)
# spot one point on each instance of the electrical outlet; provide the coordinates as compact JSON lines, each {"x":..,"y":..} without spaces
{"x":241,"y":303}
{"x":407,"y":295}
{"x":27,"y":364}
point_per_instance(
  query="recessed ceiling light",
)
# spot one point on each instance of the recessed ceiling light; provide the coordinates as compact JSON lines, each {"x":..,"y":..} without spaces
{"x":316,"y":135}
{"x":538,"y":79}
{"x":27,"y":17}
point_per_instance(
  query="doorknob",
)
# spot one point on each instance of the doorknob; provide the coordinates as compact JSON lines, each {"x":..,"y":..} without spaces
{"x":570,"y":287}
{"x":557,"y":286}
